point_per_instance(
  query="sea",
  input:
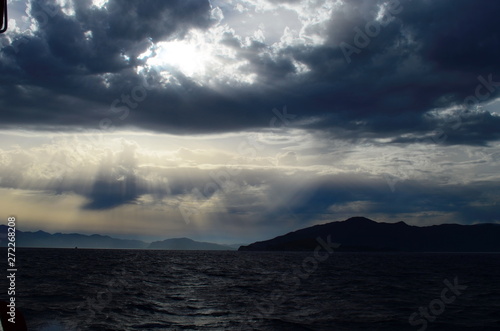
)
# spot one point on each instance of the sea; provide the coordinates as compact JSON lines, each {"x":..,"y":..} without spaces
{"x":99,"y":289}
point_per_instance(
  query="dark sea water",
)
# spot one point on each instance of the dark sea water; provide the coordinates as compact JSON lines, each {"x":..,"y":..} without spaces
{"x":68,"y":289}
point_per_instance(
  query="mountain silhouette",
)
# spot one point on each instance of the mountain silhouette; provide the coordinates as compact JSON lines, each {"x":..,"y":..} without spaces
{"x":61,"y":240}
{"x":363,"y":234}
{"x":187,"y":244}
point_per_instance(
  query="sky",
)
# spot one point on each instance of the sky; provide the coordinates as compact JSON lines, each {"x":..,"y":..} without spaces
{"x":240,"y":120}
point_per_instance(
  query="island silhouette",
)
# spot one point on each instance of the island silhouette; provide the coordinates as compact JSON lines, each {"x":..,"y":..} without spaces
{"x":363,"y":234}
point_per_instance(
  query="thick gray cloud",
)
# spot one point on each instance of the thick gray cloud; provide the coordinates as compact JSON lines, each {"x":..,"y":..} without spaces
{"x":427,"y":56}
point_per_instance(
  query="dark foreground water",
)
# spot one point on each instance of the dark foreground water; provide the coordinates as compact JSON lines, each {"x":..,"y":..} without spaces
{"x":67,"y":289}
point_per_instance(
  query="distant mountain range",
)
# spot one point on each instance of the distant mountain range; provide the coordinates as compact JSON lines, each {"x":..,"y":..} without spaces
{"x":61,"y":240}
{"x":188,"y":244}
{"x":363,"y":234}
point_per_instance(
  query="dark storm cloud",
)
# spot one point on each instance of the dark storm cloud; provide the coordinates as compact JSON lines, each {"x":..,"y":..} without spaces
{"x":464,"y":128}
{"x":428,"y":55}
{"x":52,"y":77}
{"x":115,"y":183}
{"x":109,"y":192}
{"x":124,"y":27}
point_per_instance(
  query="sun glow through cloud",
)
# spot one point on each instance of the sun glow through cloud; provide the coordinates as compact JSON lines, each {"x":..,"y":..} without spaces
{"x":189,"y":58}
{"x":200,"y":56}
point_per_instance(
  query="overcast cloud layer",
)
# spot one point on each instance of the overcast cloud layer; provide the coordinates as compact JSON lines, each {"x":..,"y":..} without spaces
{"x":426,"y":56}
{"x":261,"y":115}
